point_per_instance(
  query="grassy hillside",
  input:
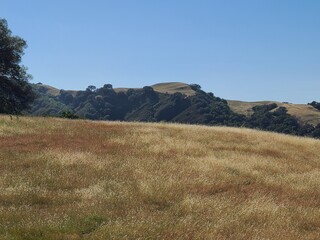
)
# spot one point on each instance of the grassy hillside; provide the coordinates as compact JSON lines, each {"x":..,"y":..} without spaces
{"x":172,"y":87}
{"x":63,"y":179}
{"x":304,"y":113}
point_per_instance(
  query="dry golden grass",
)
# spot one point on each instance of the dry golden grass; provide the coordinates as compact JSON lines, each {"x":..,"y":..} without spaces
{"x":172,"y":87}
{"x":303,"y":112}
{"x":63,"y":179}
{"x":169,"y":87}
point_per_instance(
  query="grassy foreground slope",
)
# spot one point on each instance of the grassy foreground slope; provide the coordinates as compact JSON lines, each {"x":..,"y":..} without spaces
{"x":63,"y":179}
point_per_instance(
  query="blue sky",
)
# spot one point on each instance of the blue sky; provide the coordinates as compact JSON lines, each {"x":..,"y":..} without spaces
{"x":247,"y":50}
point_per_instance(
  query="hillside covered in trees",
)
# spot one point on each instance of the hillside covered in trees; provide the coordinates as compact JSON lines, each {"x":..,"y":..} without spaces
{"x":148,"y":105}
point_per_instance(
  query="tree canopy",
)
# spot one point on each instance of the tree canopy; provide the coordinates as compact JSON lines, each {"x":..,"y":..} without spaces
{"x":15,"y":92}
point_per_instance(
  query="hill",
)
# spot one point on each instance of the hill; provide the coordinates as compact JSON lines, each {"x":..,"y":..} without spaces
{"x":306,"y":114}
{"x":150,"y":104}
{"x":63,"y":179}
{"x":175,"y":102}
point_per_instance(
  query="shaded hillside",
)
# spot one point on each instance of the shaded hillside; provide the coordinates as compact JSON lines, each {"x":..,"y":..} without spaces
{"x":64,"y":179}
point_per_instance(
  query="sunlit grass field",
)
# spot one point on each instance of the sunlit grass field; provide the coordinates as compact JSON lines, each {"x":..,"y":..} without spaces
{"x":64,"y":179}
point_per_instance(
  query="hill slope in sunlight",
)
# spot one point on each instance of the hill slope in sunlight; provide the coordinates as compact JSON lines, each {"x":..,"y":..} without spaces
{"x":173,"y":87}
{"x":167,"y":87}
{"x":306,"y":114}
{"x":63,"y":179}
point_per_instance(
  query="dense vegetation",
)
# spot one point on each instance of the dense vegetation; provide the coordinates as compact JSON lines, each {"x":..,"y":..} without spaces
{"x":137,"y":105}
{"x":15,"y":91}
{"x":315,"y":104}
{"x":148,"y":105}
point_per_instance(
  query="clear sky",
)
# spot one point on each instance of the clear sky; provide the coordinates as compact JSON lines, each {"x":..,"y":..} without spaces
{"x":238,"y":49}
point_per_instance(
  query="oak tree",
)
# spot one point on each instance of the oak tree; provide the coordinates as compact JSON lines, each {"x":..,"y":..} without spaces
{"x":15,"y":91}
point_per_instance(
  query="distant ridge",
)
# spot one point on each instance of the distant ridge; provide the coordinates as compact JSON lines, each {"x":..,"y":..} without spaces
{"x":306,"y":114}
